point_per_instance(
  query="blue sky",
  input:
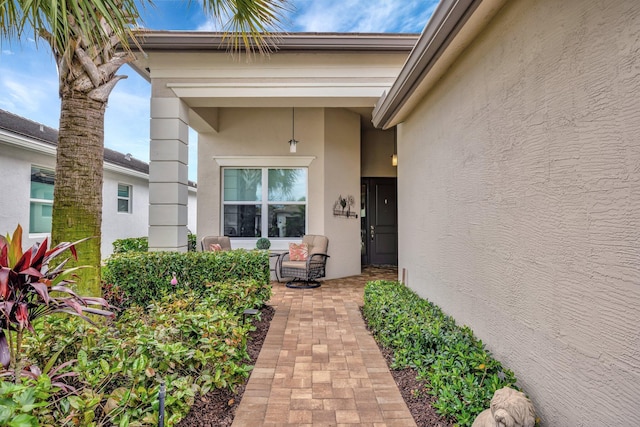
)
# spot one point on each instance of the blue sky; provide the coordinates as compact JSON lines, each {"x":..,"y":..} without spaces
{"x":29,"y":82}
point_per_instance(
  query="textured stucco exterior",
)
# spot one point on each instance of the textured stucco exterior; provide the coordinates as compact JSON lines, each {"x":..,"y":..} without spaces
{"x":375,"y":157}
{"x":519,"y":202}
{"x":329,"y":144}
{"x":242,"y":112}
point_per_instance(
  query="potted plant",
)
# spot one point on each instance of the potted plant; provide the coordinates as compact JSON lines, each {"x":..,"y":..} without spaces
{"x":263,"y":243}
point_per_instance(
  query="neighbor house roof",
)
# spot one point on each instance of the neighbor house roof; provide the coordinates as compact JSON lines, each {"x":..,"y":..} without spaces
{"x":452,"y":27}
{"x":44,"y":138}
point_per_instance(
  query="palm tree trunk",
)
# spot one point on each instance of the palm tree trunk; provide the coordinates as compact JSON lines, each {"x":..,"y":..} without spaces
{"x":77,"y":200}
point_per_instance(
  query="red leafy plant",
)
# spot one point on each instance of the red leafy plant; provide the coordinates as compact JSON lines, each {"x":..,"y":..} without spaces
{"x":26,"y":283}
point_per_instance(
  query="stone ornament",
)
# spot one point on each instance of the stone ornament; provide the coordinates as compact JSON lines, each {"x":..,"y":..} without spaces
{"x":509,"y":408}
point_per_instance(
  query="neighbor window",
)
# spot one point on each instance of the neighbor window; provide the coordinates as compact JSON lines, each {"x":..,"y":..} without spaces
{"x":124,"y":198}
{"x":41,"y":200}
{"x":264,"y":202}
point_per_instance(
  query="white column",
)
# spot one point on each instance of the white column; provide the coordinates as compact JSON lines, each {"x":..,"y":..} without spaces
{"x":168,"y":175}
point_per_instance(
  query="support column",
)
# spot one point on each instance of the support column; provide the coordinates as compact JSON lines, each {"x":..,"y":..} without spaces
{"x":168,"y":175}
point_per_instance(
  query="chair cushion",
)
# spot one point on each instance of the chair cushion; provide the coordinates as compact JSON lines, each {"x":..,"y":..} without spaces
{"x":317,"y":244}
{"x":298,"y":252}
{"x":215,"y":247}
{"x":301,"y":265}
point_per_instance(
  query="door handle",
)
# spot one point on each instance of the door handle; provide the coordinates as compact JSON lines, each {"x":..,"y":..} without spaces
{"x":373,"y":232}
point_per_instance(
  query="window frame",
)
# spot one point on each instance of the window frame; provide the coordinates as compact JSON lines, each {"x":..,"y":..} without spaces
{"x":43,"y":202}
{"x":260,"y":162}
{"x":129,"y":198}
{"x":264,"y":201}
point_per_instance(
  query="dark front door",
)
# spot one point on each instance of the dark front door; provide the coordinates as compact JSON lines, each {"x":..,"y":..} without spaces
{"x":380,"y":223}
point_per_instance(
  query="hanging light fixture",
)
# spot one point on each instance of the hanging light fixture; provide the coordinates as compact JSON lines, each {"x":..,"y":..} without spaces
{"x":292,"y":141}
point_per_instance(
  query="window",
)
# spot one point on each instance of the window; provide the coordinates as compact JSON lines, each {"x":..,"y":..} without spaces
{"x":41,"y":200}
{"x":124,"y":198}
{"x":264,"y":202}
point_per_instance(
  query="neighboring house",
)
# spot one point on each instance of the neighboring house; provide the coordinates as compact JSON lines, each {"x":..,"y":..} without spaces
{"x":27,"y":165}
{"x":518,"y":182}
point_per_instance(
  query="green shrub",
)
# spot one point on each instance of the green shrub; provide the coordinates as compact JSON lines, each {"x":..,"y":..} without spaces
{"x":263,"y":243}
{"x":141,"y":244}
{"x":462,"y":374}
{"x":131,"y":244}
{"x":192,"y":341}
{"x":146,"y":276}
{"x":192,"y":242}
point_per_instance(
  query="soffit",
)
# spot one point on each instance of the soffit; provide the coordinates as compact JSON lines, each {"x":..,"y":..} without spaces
{"x":307,"y":70}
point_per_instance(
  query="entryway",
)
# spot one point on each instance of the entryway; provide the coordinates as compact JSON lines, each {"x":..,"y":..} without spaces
{"x":379,"y":221}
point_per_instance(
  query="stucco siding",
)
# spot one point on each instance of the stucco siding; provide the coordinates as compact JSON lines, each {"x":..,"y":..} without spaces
{"x":519,"y":202}
{"x":376,"y":152}
{"x":261,"y":133}
{"x":15,"y":172}
{"x":330,"y":137}
{"x":118,"y":225}
{"x":342,"y":178}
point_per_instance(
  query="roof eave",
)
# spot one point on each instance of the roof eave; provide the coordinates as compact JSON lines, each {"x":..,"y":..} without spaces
{"x":198,"y":41}
{"x":215,"y":41}
{"x":453,"y":25}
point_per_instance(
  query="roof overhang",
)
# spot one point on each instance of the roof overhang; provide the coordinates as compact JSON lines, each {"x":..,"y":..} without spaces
{"x":452,"y":27}
{"x":302,"y":69}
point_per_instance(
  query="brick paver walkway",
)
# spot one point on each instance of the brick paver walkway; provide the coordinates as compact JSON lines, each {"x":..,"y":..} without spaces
{"x":319,"y":366}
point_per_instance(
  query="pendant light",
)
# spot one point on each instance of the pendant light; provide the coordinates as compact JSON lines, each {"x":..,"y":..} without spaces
{"x":292,"y":142}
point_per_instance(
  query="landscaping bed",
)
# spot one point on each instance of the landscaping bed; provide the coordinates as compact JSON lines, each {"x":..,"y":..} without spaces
{"x":185,"y":331}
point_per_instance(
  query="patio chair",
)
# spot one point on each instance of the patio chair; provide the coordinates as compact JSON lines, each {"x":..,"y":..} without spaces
{"x":215,"y":243}
{"x":305,"y":263}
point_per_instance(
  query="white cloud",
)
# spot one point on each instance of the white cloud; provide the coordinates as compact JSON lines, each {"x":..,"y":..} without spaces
{"x":32,"y":96}
{"x":373,"y":16}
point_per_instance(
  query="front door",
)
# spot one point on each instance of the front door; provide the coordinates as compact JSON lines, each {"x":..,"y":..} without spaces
{"x":380,"y":222}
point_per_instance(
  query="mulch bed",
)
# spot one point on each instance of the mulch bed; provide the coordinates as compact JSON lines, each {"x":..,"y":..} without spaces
{"x":218,"y":407}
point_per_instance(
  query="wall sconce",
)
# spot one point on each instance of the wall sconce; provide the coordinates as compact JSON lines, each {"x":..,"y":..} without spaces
{"x":394,"y":158}
{"x":292,"y":142}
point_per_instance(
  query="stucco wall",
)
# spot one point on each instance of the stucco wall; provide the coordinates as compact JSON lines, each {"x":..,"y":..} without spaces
{"x":117,"y":225}
{"x":375,"y":156}
{"x":519,"y":202}
{"x":15,"y":173}
{"x":342,"y":178}
{"x":263,"y":133}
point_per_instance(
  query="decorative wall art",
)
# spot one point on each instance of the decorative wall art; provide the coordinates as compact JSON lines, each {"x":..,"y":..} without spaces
{"x":345,"y":206}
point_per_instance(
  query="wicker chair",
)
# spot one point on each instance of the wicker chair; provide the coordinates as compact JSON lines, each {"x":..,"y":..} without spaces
{"x":223,"y":241}
{"x":304,"y":274}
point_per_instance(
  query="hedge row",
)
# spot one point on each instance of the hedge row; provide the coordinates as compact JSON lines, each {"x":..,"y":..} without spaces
{"x":141,"y":277}
{"x":461,"y":373}
{"x":141,"y":244}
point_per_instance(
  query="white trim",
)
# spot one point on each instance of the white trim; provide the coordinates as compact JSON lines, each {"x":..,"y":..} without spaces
{"x":125,"y":171}
{"x":264,"y":161}
{"x":30,"y":144}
